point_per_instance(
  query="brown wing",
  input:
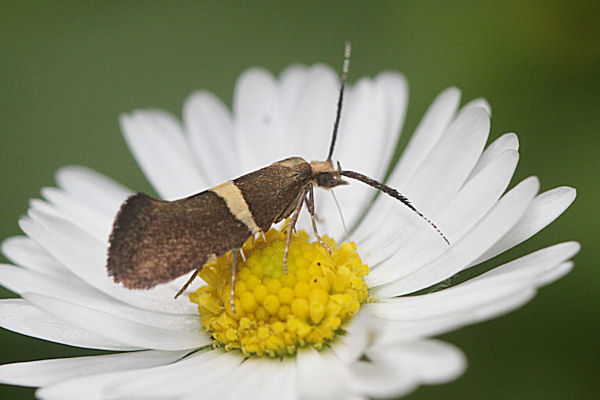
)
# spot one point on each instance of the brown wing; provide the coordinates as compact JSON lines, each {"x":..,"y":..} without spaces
{"x":272,"y":192}
{"x":157,"y":241}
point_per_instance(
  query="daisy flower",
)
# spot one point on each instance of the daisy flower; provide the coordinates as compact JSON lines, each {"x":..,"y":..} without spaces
{"x":356,"y":324}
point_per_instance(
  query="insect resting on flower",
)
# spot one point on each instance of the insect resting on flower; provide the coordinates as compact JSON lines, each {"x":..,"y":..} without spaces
{"x":155,"y":241}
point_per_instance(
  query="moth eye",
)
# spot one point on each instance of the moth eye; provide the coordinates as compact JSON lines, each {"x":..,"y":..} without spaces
{"x":324,"y":180}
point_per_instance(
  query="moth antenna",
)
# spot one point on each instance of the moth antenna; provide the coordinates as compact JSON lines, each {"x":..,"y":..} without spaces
{"x":340,"y":99}
{"x":233,"y":268}
{"x":341,"y":215}
{"x":393,"y":193}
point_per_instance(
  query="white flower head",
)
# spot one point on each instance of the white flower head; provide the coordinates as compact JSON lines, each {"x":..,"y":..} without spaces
{"x":386,"y":348}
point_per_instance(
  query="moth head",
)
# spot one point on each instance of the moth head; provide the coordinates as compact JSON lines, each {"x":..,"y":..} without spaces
{"x":325,"y":175}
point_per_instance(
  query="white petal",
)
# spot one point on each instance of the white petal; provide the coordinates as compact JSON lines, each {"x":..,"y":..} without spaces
{"x":23,"y":251}
{"x":44,"y":208}
{"x":259,"y":123}
{"x":210,"y":132}
{"x":428,"y":132}
{"x":501,"y":218}
{"x":544,"y":209}
{"x":85,"y":256}
{"x":373,"y":115}
{"x":446,"y":302}
{"x":47,"y":372}
{"x":281,"y":384}
{"x":547,"y":257}
{"x":172,"y":381}
{"x":350,"y":346}
{"x":508,"y":141}
{"x":381,"y":379}
{"x":394,"y":88}
{"x":430,"y":129}
{"x":292,"y":80}
{"x":395,"y":369}
{"x":398,"y":331}
{"x":19,"y":316}
{"x":556,"y":273}
{"x":431,"y":361}
{"x":116,"y":328}
{"x":163,"y":382}
{"x":19,"y":279}
{"x":80,"y":213}
{"x":253,"y":379}
{"x":197,"y":374}
{"x":479,"y":103}
{"x":72,"y":289}
{"x":308,"y":100}
{"x":518,"y":275}
{"x":309,"y":111}
{"x":459,"y":216}
{"x":450,"y":162}
{"x":92,"y":188}
{"x":313,"y":383}
{"x":354,"y":396}
{"x":245,"y":382}
{"x":156,"y":140}
{"x":311,"y":114}
{"x":437,"y":180}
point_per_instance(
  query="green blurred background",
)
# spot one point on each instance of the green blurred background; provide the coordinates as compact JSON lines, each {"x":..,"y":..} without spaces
{"x":69,"y":70}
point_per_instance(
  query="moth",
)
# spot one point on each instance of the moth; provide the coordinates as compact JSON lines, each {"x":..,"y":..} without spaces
{"x":155,"y":241}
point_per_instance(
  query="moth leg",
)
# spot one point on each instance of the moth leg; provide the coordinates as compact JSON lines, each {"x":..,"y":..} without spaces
{"x":341,"y":215}
{"x":188,"y":283}
{"x":263,"y":235}
{"x":233,"y":269}
{"x":310,"y":204}
{"x":291,"y":227}
{"x":242,"y":254}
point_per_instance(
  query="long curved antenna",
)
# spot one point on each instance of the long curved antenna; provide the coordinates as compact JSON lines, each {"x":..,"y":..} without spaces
{"x":339,"y":105}
{"x":393,"y":193}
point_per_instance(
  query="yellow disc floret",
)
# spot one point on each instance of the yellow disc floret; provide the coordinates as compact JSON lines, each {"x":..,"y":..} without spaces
{"x":276,"y":313}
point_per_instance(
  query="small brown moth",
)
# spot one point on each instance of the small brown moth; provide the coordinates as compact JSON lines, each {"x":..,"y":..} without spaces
{"x":155,"y":241}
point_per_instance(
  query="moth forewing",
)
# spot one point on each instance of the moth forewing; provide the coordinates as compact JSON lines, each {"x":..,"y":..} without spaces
{"x":155,"y":241}
{"x":271,"y":192}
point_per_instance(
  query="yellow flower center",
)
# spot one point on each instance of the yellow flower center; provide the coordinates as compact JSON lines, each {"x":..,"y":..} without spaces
{"x":276,"y":313}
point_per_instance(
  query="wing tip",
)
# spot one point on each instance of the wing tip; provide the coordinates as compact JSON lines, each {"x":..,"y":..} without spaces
{"x":130,"y":222}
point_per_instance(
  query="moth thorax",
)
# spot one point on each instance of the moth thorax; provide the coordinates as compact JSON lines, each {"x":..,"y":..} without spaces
{"x":295,"y":163}
{"x":322,"y":166}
